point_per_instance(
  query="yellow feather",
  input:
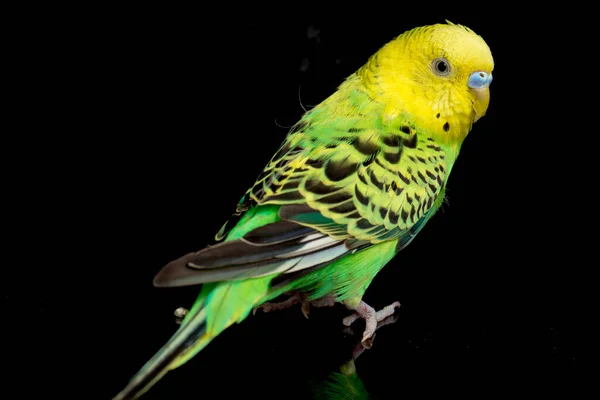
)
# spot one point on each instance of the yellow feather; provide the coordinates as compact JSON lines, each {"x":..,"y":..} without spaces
{"x":399,"y":76}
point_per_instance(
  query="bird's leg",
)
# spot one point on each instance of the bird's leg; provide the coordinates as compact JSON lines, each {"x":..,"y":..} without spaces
{"x":294,"y":298}
{"x":368,"y":313}
{"x":297,"y":297}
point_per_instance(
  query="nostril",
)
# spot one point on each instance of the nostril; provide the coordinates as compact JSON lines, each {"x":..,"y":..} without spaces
{"x":478,"y":79}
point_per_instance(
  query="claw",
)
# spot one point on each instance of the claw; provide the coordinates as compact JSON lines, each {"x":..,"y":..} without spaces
{"x":305,"y":308}
{"x":367,"y":344}
{"x":370,"y":316}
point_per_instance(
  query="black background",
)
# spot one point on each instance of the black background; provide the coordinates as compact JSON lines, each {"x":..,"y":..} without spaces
{"x":169,"y":115}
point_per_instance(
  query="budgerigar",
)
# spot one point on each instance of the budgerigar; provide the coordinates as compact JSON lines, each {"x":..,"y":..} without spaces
{"x":352,"y":184}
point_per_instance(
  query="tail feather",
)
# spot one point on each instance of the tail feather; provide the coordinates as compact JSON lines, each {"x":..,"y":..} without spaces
{"x":218,"y":306}
{"x":190,"y":338}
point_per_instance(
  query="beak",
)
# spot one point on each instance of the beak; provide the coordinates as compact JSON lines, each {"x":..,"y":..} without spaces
{"x":479,"y":84}
{"x":481,"y":102}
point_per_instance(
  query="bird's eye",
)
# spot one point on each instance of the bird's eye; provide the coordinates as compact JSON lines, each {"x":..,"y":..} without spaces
{"x":441,"y":66}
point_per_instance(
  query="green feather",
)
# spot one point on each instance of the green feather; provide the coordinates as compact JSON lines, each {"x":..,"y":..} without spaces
{"x":346,"y":278}
{"x":343,"y":385}
{"x":255,"y":218}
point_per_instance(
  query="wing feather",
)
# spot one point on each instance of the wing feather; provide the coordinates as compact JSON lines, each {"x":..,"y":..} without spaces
{"x":250,"y":258}
{"x":340,"y":190}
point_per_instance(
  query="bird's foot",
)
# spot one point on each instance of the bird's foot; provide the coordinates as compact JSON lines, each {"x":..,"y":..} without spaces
{"x":371,"y":317}
{"x":367,"y":344}
{"x":296,"y":298}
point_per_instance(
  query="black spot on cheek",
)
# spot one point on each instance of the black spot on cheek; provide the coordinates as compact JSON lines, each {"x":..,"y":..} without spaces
{"x":446,"y":127}
{"x":437,"y":115}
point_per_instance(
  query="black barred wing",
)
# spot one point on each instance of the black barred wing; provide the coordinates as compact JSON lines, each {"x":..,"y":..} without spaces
{"x":339,"y":192}
{"x":361,"y":184}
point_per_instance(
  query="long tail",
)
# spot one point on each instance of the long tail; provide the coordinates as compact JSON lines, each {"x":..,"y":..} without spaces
{"x":192,"y":333}
{"x":236,"y":276}
{"x":218,"y":306}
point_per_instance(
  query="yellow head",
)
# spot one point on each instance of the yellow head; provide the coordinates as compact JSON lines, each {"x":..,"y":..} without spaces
{"x":437,"y":75}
